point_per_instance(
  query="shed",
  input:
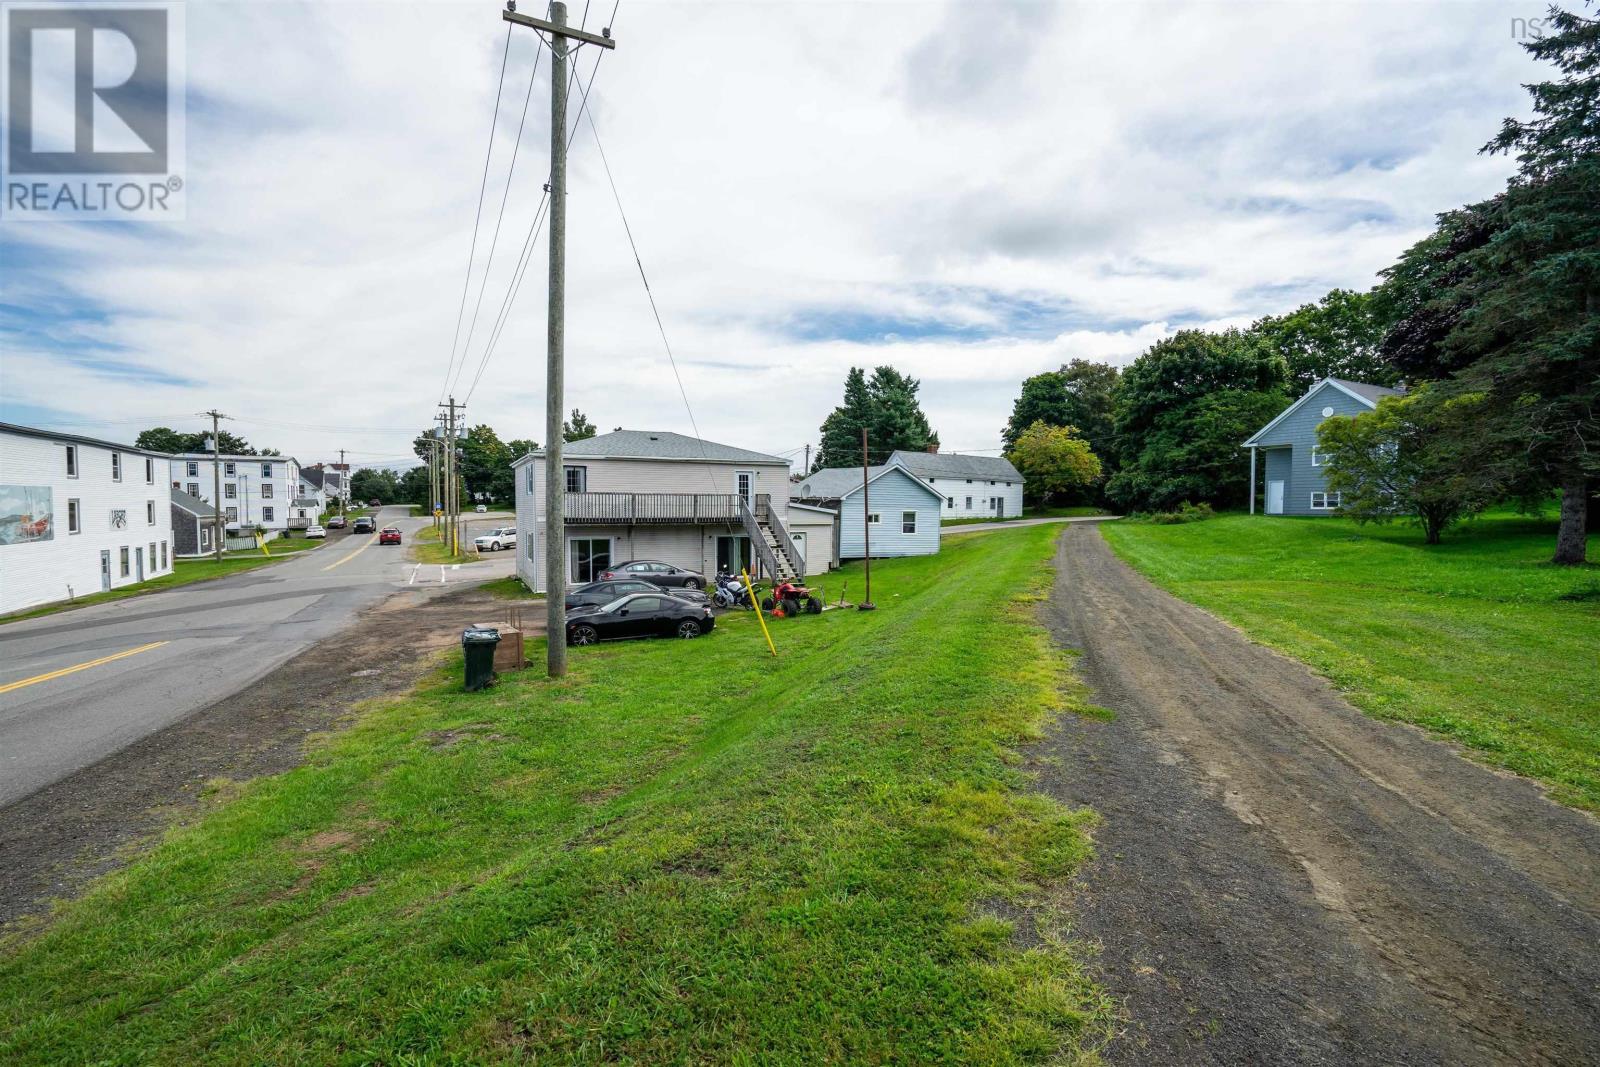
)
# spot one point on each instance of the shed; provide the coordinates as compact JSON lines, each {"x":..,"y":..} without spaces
{"x":193,"y":524}
{"x":904,"y":515}
{"x":815,"y":531}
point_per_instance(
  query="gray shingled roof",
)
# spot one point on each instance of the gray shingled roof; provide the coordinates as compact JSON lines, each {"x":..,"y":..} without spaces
{"x":927,"y":465}
{"x":659,"y":444}
{"x":193,"y":504}
{"x":1373,"y":393}
{"x":830,"y":483}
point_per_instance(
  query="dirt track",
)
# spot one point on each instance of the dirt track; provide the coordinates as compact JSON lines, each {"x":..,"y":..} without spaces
{"x":1280,"y":879}
{"x":53,"y":841}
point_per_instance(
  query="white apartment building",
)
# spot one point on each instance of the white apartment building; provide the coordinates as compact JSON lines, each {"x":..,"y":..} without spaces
{"x":78,"y":515}
{"x":256,"y":490}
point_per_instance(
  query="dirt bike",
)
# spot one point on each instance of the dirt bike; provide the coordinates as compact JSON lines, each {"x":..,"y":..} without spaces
{"x":729,"y":591}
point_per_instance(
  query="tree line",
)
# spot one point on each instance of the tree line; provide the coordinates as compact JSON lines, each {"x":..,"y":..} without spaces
{"x":1492,"y":323}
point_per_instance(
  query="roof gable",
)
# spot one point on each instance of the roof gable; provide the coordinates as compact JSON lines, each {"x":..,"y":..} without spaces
{"x":955,"y":465}
{"x":658,"y":445}
{"x":1364,"y":394}
{"x":836,"y":483}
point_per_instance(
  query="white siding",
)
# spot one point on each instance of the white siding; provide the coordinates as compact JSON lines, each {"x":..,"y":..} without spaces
{"x":246,"y":481}
{"x":818,"y":530}
{"x":955,"y":492}
{"x":890,"y":495}
{"x":40,"y":572}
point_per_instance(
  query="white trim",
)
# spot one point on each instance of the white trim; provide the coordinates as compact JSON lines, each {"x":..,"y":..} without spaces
{"x":1317,"y":459}
{"x":1255,"y":438}
{"x":812,"y":507}
{"x":1330,"y":501}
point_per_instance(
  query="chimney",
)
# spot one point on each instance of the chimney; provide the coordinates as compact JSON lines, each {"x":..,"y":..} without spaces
{"x":933,"y":448}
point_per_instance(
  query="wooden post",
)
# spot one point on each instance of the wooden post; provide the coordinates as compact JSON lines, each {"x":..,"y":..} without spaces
{"x":866,"y":528}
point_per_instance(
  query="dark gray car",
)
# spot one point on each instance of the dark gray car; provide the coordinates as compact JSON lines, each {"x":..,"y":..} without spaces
{"x":655,"y":572}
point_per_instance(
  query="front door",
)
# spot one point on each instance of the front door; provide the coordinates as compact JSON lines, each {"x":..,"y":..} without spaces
{"x":733,"y":553}
{"x":747,"y":487}
{"x":799,"y":541}
{"x":138,"y":562}
{"x":1274,"y":498}
{"x":105,"y":571}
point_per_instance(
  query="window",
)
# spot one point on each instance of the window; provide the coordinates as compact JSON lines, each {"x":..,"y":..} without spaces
{"x":1316,"y":456}
{"x":577,"y":479}
{"x":149,"y":512}
{"x":908,"y":522}
{"x":124,"y":560}
{"x":74,"y":520}
{"x":194,"y":488}
{"x":227,"y":468}
{"x":950,"y":502}
{"x":1324,"y":501}
{"x":642,"y":605}
{"x":149,"y":471}
{"x":969,"y":481}
{"x":72,"y":461}
{"x":527,"y":473}
{"x":152,"y":555}
{"x":588,"y":557}
{"x":872,"y":518}
{"x":192,"y":469}
{"x":266,"y":514}
{"x":232,"y":514}
{"x":969,"y":503}
{"x":530,"y":548}
{"x":991,"y":483}
{"x":116,"y":469}
{"x":163,"y":555}
{"x":230,"y":491}
{"x":266,"y":490}
{"x":266,"y":470}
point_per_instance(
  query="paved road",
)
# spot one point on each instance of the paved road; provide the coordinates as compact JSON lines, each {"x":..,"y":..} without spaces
{"x":984,"y":527}
{"x":184,"y":649}
{"x":1281,"y":879}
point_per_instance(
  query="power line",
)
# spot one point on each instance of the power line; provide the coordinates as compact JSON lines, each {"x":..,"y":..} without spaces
{"x":538,"y":221}
{"x":472,"y":251}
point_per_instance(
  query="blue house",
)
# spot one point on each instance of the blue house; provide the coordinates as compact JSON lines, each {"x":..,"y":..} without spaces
{"x":1296,"y":482}
{"x":901,"y":509}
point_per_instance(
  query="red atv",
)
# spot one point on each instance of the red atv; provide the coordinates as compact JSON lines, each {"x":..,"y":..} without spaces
{"x":790,"y":599}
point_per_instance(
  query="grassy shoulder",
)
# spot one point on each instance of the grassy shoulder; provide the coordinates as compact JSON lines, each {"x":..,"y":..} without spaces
{"x":427,"y":546}
{"x":1479,"y":639}
{"x":184,"y":572}
{"x":510,"y":589}
{"x":681,"y":852}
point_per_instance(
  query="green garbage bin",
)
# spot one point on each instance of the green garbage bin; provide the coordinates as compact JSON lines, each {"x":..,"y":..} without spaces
{"x":477,"y":647}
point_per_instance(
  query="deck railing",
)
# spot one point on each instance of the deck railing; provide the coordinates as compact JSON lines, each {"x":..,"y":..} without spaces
{"x":641,"y":509}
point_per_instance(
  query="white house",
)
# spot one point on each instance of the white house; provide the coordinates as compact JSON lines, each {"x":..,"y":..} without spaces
{"x":256,"y":490}
{"x":815,"y":533}
{"x":971,"y":486}
{"x":78,"y":515}
{"x":655,"y":495}
{"x":900,"y":512}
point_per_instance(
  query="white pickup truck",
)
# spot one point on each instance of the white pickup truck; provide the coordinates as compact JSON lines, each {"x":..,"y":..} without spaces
{"x":495,"y":540}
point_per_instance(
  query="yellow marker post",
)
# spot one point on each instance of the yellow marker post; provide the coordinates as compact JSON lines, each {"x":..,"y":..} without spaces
{"x":261,"y":543}
{"x":761,"y":616}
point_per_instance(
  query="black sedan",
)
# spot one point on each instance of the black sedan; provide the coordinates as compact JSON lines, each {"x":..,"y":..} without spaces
{"x":599,"y":594}
{"x":640,"y":615}
{"x":656,"y":573}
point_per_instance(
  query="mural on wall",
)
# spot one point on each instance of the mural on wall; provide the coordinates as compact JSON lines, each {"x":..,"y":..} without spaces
{"x":25,"y":514}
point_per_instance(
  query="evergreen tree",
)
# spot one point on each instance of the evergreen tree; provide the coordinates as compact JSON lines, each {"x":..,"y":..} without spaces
{"x":841,"y":430}
{"x":577,"y":428}
{"x":886,"y":406}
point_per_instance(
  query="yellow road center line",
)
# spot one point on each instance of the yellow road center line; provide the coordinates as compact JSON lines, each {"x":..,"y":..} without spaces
{"x":36,"y":679}
{"x":352,"y":555}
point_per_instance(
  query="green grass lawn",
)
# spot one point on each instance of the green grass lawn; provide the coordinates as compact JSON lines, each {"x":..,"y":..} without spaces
{"x":184,"y":572}
{"x":510,"y":589}
{"x":684,"y":852}
{"x":427,"y":546}
{"x":1478,"y":639}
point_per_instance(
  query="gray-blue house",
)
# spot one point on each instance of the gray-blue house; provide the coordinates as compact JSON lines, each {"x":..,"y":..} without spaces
{"x":904,"y":509}
{"x":1295,"y":473}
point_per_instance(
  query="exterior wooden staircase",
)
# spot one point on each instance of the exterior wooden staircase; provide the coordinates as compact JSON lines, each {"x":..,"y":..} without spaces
{"x":772,"y":542}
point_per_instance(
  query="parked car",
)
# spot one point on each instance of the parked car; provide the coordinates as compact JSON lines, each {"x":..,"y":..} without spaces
{"x":338,"y":522}
{"x":640,"y":615}
{"x":495,"y":540}
{"x":481,"y":508}
{"x":389,"y":536}
{"x":599,"y":594}
{"x":315,"y":531}
{"x":656,"y":573}
{"x":364,"y":525}
{"x":374,"y":503}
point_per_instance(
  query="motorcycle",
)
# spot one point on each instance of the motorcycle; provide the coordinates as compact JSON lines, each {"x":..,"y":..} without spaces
{"x":730,"y":591}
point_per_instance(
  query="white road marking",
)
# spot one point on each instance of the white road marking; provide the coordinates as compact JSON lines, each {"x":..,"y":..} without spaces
{"x":441,"y":574}
{"x":414,"y":571}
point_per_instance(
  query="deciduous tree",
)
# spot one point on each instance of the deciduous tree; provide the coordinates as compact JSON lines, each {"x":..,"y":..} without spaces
{"x":1054,"y":460}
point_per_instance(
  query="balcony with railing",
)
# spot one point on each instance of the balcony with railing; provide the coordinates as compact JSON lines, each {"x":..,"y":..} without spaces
{"x":656,"y":509}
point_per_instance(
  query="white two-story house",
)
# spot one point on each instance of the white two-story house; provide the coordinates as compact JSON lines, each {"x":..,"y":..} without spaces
{"x":78,"y":515}
{"x":256,"y":490}
{"x":971,"y":487}
{"x":654,"y":495}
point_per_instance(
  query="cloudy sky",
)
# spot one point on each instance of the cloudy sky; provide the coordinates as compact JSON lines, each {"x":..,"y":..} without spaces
{"x":971,"y":192}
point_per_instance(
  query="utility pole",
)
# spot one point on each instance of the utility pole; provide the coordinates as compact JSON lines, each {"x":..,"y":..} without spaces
{"x":216,"y":483}
{"x":452,"y":501}
{"x":807,"y":468}
{"x":554,"y":479}
{"x":344,"y":485}
{"x":866,"y":529}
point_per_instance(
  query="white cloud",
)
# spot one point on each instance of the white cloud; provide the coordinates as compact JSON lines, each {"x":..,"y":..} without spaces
{"x":1129,"y":167}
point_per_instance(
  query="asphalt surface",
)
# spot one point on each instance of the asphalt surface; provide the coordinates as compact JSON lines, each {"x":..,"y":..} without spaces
{"x":1281,"y":879}
{"x":208,"y":641}
{"x":1007,"y":524}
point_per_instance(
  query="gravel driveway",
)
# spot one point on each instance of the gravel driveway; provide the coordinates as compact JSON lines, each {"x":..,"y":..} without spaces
{"x":1280,"y":879}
